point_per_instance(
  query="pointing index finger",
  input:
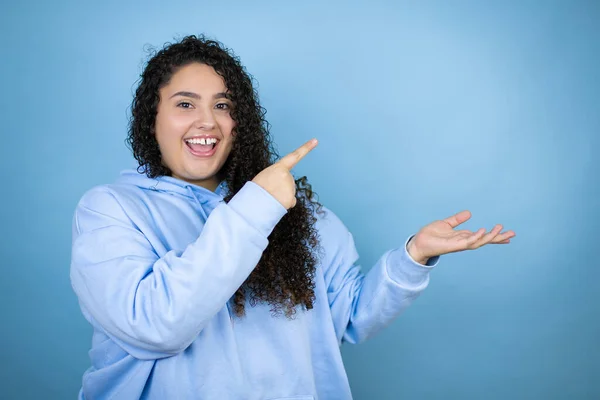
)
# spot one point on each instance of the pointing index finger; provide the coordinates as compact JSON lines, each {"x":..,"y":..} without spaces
{"x":295,"y":156}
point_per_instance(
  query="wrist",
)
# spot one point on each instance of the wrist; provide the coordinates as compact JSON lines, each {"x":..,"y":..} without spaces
{"x":414,"y":252}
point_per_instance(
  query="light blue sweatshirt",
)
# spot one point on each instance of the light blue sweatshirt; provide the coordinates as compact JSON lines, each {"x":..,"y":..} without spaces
{"x":154,"y":265}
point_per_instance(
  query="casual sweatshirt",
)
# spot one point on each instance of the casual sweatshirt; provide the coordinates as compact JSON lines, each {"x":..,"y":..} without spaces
{"x":154,"y":265}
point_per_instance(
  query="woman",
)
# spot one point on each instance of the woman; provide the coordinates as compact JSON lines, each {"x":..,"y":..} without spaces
{"x":210,"y":273}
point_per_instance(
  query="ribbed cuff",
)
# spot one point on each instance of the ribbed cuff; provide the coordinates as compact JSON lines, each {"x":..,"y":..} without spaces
{"x":403,"y":269}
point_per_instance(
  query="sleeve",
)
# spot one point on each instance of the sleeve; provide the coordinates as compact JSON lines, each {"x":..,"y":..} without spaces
{"x":362,"y":304}
{"x":156,"y":306}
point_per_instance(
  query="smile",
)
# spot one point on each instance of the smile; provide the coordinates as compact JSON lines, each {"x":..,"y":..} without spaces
{"x":202,"y":147}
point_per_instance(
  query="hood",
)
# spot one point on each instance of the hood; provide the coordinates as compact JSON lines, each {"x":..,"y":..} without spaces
{"x":205,"y":198}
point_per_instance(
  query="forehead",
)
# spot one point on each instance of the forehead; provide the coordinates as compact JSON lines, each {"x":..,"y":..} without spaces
{"x":196,"y":77}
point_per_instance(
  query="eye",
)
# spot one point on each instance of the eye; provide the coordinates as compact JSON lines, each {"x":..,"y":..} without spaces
{"x":184,"y":104}
{"x":223,"y":106}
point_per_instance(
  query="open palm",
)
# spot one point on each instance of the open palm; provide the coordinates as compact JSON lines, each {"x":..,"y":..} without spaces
{"x":440,"y":237}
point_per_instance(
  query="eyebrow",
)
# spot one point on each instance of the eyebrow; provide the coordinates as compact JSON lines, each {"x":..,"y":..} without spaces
{"x":196,"y":96}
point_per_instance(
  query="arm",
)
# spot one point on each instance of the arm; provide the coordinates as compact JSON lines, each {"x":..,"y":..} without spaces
{"x":157,"y":306}
{"x":362,"y":304}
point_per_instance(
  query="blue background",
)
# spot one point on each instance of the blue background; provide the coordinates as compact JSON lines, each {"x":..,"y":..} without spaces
{"x":422,"y":109}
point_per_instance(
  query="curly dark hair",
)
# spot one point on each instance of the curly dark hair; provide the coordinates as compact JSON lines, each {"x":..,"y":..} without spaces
{"x":284,"y":276}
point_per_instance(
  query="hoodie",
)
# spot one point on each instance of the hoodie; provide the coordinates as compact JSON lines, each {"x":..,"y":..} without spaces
{"x":154,"y":265}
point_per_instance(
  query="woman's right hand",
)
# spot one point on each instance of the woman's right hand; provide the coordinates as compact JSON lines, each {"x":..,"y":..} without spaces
{"x":278,"y":180}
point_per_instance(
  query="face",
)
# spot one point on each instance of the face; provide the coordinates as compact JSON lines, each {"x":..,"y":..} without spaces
{"x":194,"y":125}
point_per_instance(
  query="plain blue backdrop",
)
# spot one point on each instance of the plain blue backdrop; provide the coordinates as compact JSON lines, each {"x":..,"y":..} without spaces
{"x":422,"y":109}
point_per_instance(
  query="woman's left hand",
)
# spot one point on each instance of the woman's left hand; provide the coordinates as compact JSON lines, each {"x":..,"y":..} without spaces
{"x":439,"y":238}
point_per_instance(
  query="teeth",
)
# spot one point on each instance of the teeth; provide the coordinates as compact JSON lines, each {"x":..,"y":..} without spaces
{"x":203,"y":141}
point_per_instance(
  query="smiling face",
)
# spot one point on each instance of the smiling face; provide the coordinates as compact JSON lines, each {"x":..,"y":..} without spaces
{"x":194,"y":125}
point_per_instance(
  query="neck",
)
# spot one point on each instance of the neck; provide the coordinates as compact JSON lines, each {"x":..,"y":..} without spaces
{"x":210,"y":183}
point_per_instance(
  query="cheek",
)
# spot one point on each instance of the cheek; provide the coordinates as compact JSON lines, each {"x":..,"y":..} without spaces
{"x":159,"y":132}
{"x":226,"y":124}
{"x":172,"y":126}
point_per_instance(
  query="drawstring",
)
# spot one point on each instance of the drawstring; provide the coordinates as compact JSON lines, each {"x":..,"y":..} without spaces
{"x":212,"y":200}
{"x":222,"y":189}
{"x":191,"y":191}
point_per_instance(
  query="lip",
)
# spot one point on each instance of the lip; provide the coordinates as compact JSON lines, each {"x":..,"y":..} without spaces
{"x":199,"y":154}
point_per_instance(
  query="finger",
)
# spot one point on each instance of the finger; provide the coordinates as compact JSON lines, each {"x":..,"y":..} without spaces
{"x":295,"y":156}
{"x":488,"y":237}
{"x":502,"y":242}
{"x":474,"y":237}
{"x":503,"y":236}
{"x":458,"y":219}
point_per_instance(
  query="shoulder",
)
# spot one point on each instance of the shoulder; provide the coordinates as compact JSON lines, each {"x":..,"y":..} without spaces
{"x":107,"y":196}
{"x":116,"y":202}
{"x":328,"y":222}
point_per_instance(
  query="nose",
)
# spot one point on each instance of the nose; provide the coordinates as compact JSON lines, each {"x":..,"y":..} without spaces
{"x":205,"y":120}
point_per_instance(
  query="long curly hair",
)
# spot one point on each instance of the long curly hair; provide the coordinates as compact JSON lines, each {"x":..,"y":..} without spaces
{"x":284,"y":276}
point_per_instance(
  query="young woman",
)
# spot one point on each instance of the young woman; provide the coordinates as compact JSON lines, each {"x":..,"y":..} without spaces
{"x":210,"y":272}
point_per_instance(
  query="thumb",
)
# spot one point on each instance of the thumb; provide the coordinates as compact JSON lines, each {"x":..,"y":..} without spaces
{"x":458,"y":219}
